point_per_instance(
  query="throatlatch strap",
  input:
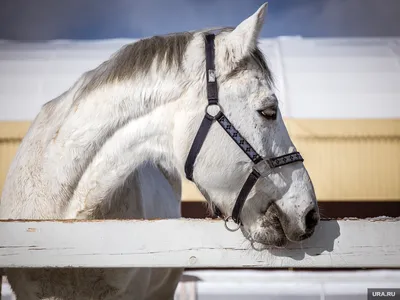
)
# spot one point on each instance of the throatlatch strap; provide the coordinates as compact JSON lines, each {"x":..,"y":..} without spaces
{"x":196,"y":146}
{"x":248,"y":185}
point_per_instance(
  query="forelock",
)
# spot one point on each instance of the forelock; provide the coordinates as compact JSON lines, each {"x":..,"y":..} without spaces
{"x":256,"y":57}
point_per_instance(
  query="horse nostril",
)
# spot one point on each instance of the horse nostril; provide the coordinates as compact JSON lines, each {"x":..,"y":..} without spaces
{"x":311,"y":220}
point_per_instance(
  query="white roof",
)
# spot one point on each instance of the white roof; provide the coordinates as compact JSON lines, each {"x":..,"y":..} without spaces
{"x":316,"y":78}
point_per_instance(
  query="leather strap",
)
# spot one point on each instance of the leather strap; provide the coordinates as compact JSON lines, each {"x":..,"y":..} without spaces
{"x":239,"y":140}
{"x":212,"y":96}
{"x":285,"y":159}
{"x":196,"y":145}
{"x":248,"y":185}
{"x":212,"y":88}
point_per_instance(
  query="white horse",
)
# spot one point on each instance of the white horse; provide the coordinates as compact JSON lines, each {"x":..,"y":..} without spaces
{"x":115,"y":145}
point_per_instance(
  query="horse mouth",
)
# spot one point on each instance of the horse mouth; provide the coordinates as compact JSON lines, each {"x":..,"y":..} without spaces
{"x":277,"y":237}
{"x":271,"y":233}
{"x":275,"y":229}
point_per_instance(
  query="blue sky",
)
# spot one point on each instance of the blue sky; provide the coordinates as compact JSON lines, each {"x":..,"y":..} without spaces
{"x":99,"y":19}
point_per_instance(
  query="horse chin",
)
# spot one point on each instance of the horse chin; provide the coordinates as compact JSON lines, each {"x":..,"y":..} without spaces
{"x":271,"y":236}
{"x":271,"y":240}
{"x":270,"y":232}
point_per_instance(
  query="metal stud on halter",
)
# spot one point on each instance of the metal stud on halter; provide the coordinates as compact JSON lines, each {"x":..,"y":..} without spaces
{"x":263,"y":167}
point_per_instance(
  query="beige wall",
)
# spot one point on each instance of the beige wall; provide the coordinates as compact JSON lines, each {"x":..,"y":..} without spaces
{"x":346,"y":159}
{"x":11,"y":134}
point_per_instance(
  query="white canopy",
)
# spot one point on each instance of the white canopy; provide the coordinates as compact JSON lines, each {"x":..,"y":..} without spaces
{"x":316,"y":78}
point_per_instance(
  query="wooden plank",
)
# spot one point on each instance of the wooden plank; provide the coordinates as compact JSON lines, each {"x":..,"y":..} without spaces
{"x":192,"y":244}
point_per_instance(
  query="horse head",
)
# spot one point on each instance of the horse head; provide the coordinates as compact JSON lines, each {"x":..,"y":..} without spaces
{"x":248,"y":168}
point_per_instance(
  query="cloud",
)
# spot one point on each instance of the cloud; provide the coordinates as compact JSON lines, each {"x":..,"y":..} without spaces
{"x":85,"y":19}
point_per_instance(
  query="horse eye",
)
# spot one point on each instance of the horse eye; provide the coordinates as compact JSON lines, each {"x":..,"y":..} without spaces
{"x":268,"y":113}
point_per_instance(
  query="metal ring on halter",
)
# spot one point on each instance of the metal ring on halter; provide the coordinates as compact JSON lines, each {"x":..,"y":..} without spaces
{"x":213,"y":116}
{"x":227,"y":227}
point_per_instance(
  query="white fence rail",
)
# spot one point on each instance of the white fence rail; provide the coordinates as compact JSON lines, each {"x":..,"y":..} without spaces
{"x":276,"y":285}
{"x":192,"y":244}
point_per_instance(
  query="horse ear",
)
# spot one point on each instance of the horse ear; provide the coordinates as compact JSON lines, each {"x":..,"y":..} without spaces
{"x":243,"y":39}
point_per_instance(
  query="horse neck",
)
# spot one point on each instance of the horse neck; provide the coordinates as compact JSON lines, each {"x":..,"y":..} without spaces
{"x":131,"y":125}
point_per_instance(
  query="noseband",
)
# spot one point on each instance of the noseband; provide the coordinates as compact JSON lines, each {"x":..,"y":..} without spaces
{"x":262,"y":166}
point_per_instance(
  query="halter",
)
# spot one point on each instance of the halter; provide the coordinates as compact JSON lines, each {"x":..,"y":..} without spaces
{"x":262,"y":166}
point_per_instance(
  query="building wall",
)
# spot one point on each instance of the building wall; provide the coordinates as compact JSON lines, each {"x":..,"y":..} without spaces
{"x":354,"y":160}
{"x":339,"y":97}
{"x":314,"y":78}
{"x":11,"y":134}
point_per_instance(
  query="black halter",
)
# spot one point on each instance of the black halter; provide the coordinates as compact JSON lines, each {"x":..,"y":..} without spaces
{"x":262,"y":167}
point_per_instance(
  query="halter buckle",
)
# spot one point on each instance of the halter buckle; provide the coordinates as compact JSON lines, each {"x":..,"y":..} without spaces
{"x":263,"y":168}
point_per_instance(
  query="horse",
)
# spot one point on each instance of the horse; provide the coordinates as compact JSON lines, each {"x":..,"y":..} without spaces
{"x":118,"y":143}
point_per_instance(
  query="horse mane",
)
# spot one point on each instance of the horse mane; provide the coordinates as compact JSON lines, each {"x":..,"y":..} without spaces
{"x":138,"y":57}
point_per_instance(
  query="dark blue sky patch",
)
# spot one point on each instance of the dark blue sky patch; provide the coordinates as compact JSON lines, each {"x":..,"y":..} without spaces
{"x":99,"y":19}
